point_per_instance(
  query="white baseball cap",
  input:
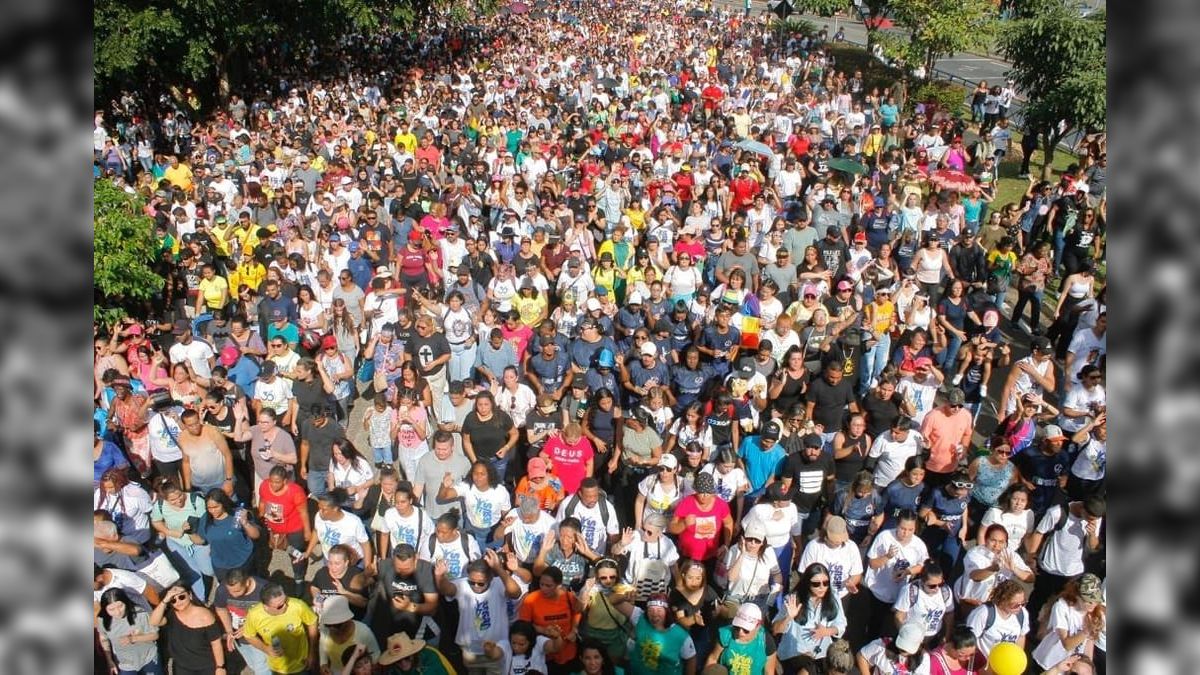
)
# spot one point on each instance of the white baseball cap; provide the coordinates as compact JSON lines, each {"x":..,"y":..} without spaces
{"x":749,"y":616}
{"x":649,"y":349}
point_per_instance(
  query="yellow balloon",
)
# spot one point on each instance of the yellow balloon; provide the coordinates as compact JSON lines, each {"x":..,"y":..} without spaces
{"x":1007,"y":658}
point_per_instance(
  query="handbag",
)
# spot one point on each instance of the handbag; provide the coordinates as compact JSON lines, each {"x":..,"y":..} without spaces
{"x":160,"y":571}
{"x":366,"y":371}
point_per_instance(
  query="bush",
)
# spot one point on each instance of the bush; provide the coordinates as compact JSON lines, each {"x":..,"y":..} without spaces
{"x":849,"y":58}
{"x":949,"y":98}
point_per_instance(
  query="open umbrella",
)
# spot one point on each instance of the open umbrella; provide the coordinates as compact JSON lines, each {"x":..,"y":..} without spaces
{"x":755,"y":147}
{"x":696,"y":14}
{"x":847,"y":165}
{"x":949,"y":179}
{"x":608,"y":83}
{"x":518,"y":8}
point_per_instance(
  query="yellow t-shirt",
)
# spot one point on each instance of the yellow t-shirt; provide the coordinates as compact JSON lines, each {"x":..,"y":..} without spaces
{"x":251,"y":274}
{"x":290,"y":628}
{"x":408,"y":141}
{"x":179,"y":176}
{"x":529,"y":308}
{"x":331,"y":651}
{"x":215,"y":291}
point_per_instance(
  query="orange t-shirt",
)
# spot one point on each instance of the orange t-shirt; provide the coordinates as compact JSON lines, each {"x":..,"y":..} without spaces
{"x":944,"y":432}
{"x":560,"y":611}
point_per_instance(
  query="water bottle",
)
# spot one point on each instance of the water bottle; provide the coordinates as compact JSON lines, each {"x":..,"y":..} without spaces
{"x":277,"y":644}
{"x":295,"y":553}
{"x":237,"y":518}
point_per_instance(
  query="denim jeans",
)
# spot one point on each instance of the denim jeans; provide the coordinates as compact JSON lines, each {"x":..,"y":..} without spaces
{"x":152,"y":668}
{"x":318,"y":483}
{"x":256,"y":660}
{"x":875,"y":360}
{"x":1034,"y":300}
{"x":953,"y":344}
{"x":462,"y":362}
{"x":193,"y":566}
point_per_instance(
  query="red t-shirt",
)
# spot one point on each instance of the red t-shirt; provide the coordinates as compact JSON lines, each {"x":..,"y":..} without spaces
{"x":570,"y":461}
{"x":743,"y":190}
{"x":281,"y":513}
{"x":412,"y":263}
{"x":701,"y":541}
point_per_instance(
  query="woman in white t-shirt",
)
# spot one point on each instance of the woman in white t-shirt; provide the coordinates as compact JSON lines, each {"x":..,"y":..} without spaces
{"x":987,"y":565}
{"x":351,"y":471}
{"x":1074,"y":622}
{"x":927,"y":600}
{"x":485,"y":500}
{"x":896,"y":555}
{"x":1013,"y":513}
{"x":751,"y":570}
{"x":780,"y":521}
{"x":128,"y":503}
{"x":405,"y":522}
{"x":1002,"y":619}
{"x":729,"y":479}
{"x":906,"y":654}
{"x":525,"y":650}
{"x":660,"y":492}
{"x":334,"y":526}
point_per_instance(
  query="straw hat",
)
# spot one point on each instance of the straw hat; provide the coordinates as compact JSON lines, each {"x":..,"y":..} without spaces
{"x":400,"y":646}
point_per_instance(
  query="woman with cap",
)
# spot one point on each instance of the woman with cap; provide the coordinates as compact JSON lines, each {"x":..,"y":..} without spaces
{"x":751,"y":571}
{"x":682,"y":279}
{"x":905,"y":654}
{"x":660,"y":646}
{"x":812,"y":618}
{"x":1073,"y":623}
{"x":781,"y":525}
{"x":404,"y":654}
{"x":745,"y":647}
{"x":341,"y":631}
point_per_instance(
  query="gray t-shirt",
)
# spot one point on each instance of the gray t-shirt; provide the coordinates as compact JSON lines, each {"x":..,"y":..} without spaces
{"x":430,"y":471}
{"x":308,"y":178}
{"x":137,"y":655}
{"x":353,"y":299}
{"x":748,"y":263}
{"x":798,"y":240}
{"x":782,"y":276}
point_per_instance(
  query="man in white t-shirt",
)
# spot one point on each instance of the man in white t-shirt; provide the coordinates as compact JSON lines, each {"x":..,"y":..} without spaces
{"x":596,"y":515}
{"x":137,"y":588}
{"x":892,"y":449}
{"x":334,"y":526}
{"x":1064,"y":535}
{"x":482,"y":595}
{"x":197,"y":354}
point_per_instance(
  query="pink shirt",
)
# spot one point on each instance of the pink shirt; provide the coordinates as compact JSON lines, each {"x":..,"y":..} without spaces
{"x":944,"y":432}
{"x":569,"y":461}
{"x":701,"y":541}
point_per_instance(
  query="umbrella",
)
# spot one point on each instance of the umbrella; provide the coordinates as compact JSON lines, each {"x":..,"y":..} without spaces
{"x":518,"y":8}
{"x":879,"y":23}
{"x":608,"y":83}
{"x":949,"y":179}
{"x":755,"y":147}
{"x":846,"y":164}
{"x":696,"y":14}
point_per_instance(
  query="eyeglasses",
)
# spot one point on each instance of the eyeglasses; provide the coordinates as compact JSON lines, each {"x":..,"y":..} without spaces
{"x":816,"y":583}
{"x":1003,"y":453}
{"x":961,"y":485}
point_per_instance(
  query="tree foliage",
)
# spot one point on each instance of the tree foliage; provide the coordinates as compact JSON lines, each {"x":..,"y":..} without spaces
{"x":1059,"y":60}
{"x":201,"y":41}
{"x":124,"y":249}
{"x":937,"y":28}
{"x":820,"y":7}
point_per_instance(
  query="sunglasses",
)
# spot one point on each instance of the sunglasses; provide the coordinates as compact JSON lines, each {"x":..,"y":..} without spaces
{"x":933,"y":587}
{"x":477,"y":584}
{"x":179,"y":597}
{"x":963,"y":485}
{"x":818,"y":584}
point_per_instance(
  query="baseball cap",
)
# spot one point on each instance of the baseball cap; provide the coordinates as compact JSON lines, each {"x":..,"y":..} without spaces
{"x":267,"y":369}
{"x":704,"y":484}
{"x":813,"y":441}
{"x":592,"y":304}
{"x":833,"y":229}
{"x":1052,"y":432}
{"x":748,"y":616}
{"x":835,"y":530}
{"x":1089,"y":588}
{"x":229,"y":355}
{"x":991,"y":318}
{"x":352,"y":246}
{"x":845,"y":285}
{"x":605,"y":359}
{"x":910,"y":637}
{"x":746,"y":371}
{"x":135,"y":329}
{"x":1041,"y":343}
{"x":335,"y":610}
{"x":635,"y":298}
{"x":772,"y":430}
{"x":668,"y":460}
{"x":328,"y":342}
{"x":383,"y":272}
{"x":601,"y":290}
{"x":648,"y":349}
{"x":754,"y":530}
{"x":860,"y":236}
{"x":923,"y":362}
{"x":536,"y":468}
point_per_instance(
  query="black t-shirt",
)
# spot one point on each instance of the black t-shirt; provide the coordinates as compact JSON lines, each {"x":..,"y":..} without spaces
{"x":808,"y":479}
{"x":307,"y":395}
{"x":239,"y":606}
{"x":830,"y":401}
{"x":320,"y":442}
{"x":880,"y":413}
{"x":323,"y":582}
{"x":487,"y":437}
{"x":413,"y":586}
{"x":192,"y":646}
{"x":536,"y":422}
{"x":706,"y":607}
{"x":849,"y":466}
{"x":428,"y":349}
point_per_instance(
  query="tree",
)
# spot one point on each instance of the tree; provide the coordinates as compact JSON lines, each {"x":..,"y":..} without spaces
{"x":819,"y":7}
{"x":124,"y":249}
{"x":1059,"y":60}
{"x":937,"y":28}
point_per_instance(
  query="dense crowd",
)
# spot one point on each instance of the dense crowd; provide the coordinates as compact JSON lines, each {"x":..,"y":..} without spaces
{"x":620,"y":338}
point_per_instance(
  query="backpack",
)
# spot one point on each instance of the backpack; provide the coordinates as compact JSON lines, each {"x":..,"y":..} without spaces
{"x":991,"y":617}
{"x":574,"y":502}
{"x":914,"y":589}
{"x":1063,"y":518}
{"x":433,"y":542}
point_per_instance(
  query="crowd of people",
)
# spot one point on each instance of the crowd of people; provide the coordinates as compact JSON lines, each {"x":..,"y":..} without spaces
{"x":597,"y":339}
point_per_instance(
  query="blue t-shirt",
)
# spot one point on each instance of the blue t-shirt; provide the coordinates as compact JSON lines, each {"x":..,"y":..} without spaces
{"x":947,"y":508}
{"x":550,"y":373}
{"x":228,"y":543}
{"x":760,"y":466}
{"x":896,"y":497}
{"x":110,"y":458}
{"x":889,"y":113}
